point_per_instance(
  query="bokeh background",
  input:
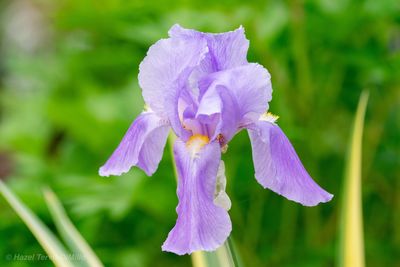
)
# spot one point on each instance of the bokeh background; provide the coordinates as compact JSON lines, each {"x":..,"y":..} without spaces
{"x":69,"y":91}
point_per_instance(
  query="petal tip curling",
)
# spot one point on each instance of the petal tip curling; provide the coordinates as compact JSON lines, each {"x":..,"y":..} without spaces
{"x":167,"y":247}
{"x":278,"y":168}
{"x":180,"y":250}
{"x":103,"y":172}
{"x":142,"y":146}
{"x":175,"y":29}
{"x":106,"y":171}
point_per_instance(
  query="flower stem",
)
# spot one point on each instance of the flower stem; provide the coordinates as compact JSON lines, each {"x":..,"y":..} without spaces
{"x":224,"y":256}
{"x":171,"y":141}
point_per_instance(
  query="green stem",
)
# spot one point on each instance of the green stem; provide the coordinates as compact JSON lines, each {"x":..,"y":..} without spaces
{"x":224,"y":256}
{"x":235,"y":257}
{"x":171,"y":141}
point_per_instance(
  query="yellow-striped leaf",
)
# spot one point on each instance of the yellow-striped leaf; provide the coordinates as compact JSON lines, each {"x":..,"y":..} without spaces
{"x":352,"y":240}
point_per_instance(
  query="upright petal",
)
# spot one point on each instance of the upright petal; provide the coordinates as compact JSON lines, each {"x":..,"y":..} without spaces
{"x":164,"y":73}
{"x":201,"y":225}
{"x":240,"y":95}
{"x":142,"y":146}
{"x":226,"y":50}
{"x":278,"y":167}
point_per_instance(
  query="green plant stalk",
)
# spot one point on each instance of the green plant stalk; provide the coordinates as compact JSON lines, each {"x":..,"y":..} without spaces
{"x":351,"y":252}
{"x":53,"y":247}
{"x":224,"y":256}
{"x":68,"y":231}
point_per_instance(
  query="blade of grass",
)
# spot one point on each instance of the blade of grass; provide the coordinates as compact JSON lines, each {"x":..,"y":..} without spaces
{"x":68,"y":231}
{"x":352,"y":240}
{"x":44,"y":236}
{"x":233,"y":252}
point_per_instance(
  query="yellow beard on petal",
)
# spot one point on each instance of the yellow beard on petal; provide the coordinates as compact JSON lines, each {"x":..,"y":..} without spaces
{"x":196,"y":143}
{"x":268,"y":116}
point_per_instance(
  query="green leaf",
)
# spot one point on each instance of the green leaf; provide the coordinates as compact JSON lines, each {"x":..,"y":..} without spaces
{"x":45,"y":237}
{"x":224,"y":256}
{"x":352,"y":240}
{"x":68,"y":231}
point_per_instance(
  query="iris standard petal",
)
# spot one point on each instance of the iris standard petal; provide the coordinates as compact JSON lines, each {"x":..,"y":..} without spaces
{"x":201,"y":225}
{"x":142,"y":146}
{"x":278,"y":167}
{"x":164,"y":73}
{"x":226,"y":50}
{"x":240,"y":94}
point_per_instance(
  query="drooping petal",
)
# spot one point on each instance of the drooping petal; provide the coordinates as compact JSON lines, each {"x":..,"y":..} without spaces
{"x":164,"y":73}
{"x":278,"y":167}
{"x":142,"y":146}
{"x":226,"y":50}
{"x":201,"y":225}
{"x":240,"y":95}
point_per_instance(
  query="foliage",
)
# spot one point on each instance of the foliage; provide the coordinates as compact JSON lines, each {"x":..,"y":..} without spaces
{"x":68,"y":92}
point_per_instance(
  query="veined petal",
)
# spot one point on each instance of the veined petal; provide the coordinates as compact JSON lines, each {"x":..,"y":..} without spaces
{"x":201,"y":225}
{"x":226,"y":50}
{"x":164,"y":72}
{"x":240,"y":95}
{"x":278,"y":167}
{"x":142,"y":146}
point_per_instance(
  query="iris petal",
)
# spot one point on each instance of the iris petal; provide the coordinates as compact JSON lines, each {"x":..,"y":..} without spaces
{"x":201,"y":225}
{"x":221,"y":198}
{"x":226,"y":50}
{"x":240,"y":95}
{"x":278,"y":167}
{"x":142,"y":146}
{"x":164,"y":72}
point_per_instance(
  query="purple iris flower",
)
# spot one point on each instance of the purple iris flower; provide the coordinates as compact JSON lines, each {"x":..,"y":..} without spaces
{"x":202,"y":87}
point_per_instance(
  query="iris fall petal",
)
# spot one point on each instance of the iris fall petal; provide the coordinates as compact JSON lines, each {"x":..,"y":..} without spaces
{"x":142,"y":146}
{"x":201,"y":225}
{"x":278,"y":167}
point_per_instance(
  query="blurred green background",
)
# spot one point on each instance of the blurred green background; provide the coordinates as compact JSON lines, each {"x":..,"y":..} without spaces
{"x":69,"y":91}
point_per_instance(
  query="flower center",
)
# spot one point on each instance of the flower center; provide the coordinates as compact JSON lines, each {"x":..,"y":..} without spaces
{"x":196,"y":143}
